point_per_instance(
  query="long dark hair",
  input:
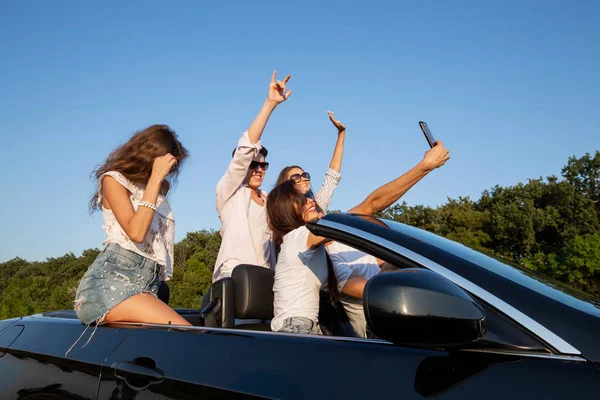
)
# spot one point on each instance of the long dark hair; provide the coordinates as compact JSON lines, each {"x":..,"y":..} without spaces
{"x":284,"y":214}
{"x":135,"y":158}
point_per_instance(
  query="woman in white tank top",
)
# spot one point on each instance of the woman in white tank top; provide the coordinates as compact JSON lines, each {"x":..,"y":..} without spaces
{"x":304,"y":266}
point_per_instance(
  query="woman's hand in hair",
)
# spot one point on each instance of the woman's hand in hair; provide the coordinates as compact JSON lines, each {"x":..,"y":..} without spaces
{"x":162,"y":167}
{"x":278,"y":92}
{"x":435,"y":157}
{"x":337,"y":123}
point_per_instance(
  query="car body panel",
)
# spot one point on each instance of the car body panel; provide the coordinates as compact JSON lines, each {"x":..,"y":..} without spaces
{"x":235,"y":363}
{"x":54,"y":356}
{"x":35,"y":363}
{"x":539,"y":298}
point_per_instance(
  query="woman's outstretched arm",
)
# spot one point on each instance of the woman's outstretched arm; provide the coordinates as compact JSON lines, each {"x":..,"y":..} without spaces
{"x":388,"y":194}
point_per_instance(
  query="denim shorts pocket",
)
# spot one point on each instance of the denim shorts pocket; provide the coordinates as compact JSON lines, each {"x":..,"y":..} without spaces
{"x":121,"y":263}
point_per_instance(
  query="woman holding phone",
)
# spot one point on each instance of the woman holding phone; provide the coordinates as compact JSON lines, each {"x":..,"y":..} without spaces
{"x":304,"y":266}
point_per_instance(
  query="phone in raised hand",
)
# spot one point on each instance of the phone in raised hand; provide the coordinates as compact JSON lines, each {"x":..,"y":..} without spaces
{"x":427,"y":133}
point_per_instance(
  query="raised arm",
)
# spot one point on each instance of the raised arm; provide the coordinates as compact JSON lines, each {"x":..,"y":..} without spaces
{"x":338,"y":152}
{"x":332,"y":176}
{"x":136,"y":223}
{"x":249,"y":144}
{"x":277,"y":95}
{"x":389,"y":193}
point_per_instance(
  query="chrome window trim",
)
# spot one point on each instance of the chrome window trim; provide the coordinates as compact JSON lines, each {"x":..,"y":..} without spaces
{"x":560,"y":357}
{"x":524,"y":320}
{"x":242,"y":332}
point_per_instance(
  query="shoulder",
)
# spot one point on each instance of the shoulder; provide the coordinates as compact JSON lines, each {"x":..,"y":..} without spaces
{"x":113,"y":177}
{"x":111,"y":184}
{"x":297,"y":237}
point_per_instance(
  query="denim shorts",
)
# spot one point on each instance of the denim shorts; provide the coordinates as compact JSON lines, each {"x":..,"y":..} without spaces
{"x":114,"y":276}
{"x":301,"y":325}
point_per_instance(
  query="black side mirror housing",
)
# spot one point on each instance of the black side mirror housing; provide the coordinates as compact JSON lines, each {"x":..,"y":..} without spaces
{"x":419,"y":308}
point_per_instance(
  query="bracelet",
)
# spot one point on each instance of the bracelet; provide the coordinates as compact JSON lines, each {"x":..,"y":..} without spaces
{"x":149,"y":205}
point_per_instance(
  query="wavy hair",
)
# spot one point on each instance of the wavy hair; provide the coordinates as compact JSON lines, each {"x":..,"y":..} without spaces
{"x":135,"y":158}
{"x":284,"y":214}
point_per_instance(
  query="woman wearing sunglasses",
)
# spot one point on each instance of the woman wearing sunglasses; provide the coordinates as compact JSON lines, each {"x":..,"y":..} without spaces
{"x":301,"y":178}
{"x":246,"y":237}
{"x":305,"y":265}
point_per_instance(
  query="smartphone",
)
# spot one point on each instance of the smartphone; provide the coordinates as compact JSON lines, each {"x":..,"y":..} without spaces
{"x":427,"y":133}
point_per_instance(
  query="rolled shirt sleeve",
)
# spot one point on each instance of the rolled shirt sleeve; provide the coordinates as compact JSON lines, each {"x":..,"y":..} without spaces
{"x":237,"y":169}
{"x":325,"y":193}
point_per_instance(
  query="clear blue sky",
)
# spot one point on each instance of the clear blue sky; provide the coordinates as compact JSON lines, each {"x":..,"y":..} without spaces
{"x":511,"y":87}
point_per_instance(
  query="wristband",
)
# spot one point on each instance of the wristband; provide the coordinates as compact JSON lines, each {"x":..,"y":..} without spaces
{"x":149,"y":205}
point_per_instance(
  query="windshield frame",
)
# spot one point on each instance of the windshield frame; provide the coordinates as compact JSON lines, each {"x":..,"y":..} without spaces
{"x":347,"y":228}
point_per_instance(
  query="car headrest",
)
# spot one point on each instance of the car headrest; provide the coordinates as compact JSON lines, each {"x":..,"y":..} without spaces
{"x":253,"y":291}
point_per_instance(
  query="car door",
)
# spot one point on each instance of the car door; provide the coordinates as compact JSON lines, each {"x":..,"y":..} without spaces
{"x":197,"y":362}
{"x":189,"y":363}
{"x":35,"y":366}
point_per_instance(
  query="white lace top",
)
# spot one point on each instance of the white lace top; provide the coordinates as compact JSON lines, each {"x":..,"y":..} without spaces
{"x":159,"y":241}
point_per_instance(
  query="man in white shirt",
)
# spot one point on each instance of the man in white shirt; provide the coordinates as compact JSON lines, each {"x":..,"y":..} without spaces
{"x":246,"y":238}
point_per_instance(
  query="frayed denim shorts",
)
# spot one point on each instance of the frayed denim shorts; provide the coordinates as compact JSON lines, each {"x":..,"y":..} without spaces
{"x":301,"y":325}
{"x":115,"y":275}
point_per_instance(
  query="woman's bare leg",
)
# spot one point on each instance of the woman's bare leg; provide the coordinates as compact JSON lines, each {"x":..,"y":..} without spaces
{"x":146,"y":308}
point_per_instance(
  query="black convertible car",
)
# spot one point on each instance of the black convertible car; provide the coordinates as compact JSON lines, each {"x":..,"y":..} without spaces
{"x":451,"y":323}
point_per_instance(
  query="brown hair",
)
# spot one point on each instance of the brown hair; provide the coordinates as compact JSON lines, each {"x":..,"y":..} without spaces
{"x":284,"y":211}
{"x":135,"y":158}
{"x":284,"y":214}
{"x":283,"y":174}
{"x":263,"y":150}
{"x":283,"y":178}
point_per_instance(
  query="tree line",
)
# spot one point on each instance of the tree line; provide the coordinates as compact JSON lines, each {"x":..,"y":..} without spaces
{"x":550,"y":225}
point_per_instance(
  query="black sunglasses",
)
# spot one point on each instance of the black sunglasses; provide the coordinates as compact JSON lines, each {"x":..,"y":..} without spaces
{"x":296,"y":178}
{"x":255,"y":164}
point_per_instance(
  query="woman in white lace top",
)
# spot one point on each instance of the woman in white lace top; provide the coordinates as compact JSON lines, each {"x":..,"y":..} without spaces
{"x":122,"y":283}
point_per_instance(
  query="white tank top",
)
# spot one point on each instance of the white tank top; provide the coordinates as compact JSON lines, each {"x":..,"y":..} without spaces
{"x":159,"y":241}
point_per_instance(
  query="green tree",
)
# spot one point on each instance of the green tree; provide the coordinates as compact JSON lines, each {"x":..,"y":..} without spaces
{"x":584,"y":174}
{"x":190,"y":283}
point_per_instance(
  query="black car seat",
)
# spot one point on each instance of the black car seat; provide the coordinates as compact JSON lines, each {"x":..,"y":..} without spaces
{"x":243,"y":301}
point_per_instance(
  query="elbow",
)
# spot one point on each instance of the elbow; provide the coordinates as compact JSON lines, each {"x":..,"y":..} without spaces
{"x":369,"y":208}
{"x":137,"y":237}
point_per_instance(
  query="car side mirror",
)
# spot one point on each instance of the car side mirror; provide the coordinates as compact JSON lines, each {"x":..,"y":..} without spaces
{"x":420,"y":308}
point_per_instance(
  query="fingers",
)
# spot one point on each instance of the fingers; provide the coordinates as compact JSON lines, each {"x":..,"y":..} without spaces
{"x":280,"y":86}
{"x":273,"y":76}
{"x":330,"y":113}
{"x":287,"y":78}
{"x":287,"y":94}
{"x":168,"y":158}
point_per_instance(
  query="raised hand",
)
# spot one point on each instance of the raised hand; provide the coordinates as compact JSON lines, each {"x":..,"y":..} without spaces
{"x":278,"y":92}
{"x":162,"y":166}
{"x":337,"y":123}
{"x":436,"y":156}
